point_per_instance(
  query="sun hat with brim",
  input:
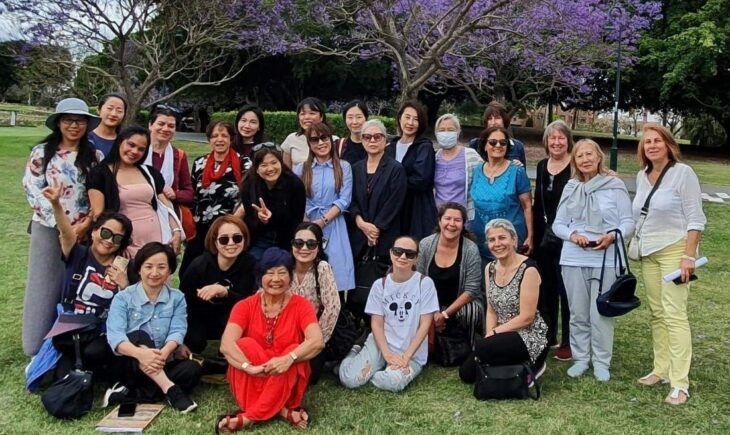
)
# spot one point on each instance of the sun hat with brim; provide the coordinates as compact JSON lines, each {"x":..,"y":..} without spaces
{"x":72,"y":106}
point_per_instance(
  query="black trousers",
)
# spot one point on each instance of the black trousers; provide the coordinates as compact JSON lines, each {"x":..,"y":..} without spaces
{"x":553,"y":297}
{"x":95,"y":357}
{"x":204,"y":325}
{"x":316,"y":364}
{"x":501,"y":349}
{"x":194,"y":248}
{"x":184,"y":373}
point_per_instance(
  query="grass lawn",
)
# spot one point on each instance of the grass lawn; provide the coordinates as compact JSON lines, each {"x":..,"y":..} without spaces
{"x":436,"y":402}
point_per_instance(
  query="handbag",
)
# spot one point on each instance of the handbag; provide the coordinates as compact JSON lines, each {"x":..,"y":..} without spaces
{"x":368,"y":270}
{"x":505,"y":382}
{"x":343,"y":335}
{"x":550,"y":242}
{"x":620,"y":298}
{"x":634,"y":251}
{"x":451,"y":345}
{"x":71,"y":396}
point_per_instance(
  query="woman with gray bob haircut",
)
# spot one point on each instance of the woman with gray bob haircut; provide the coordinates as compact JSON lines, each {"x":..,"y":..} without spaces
{"x":376,"y":123}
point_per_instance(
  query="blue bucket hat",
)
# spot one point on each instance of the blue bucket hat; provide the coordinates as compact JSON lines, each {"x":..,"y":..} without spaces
{"x":73,"y":106}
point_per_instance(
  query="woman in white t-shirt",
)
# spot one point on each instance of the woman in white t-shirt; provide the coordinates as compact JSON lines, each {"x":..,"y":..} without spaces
{"x":401,"y":306}
{"x":668,"y":239}
{"x":295,"y":147}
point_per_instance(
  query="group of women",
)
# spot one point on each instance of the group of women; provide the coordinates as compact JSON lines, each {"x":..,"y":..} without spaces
{"x":274,"y":239}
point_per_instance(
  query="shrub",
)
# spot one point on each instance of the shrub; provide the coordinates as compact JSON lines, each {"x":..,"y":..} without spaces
{"x":280,"y":124}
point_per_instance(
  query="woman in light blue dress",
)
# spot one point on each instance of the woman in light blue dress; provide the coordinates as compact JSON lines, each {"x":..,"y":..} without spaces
{"x":328,"y":186}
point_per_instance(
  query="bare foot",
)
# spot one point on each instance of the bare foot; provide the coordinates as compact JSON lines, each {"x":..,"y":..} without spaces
{"x":296,"y":417}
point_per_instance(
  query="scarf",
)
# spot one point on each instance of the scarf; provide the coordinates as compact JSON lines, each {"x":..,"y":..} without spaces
{"x":210,"y":174}
{"x":167,"y":164}
{"x":581,"y":199}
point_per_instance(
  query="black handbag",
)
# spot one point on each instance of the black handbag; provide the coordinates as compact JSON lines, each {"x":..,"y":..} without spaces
{"x":71,"y":396}
{"x":505,"y":382}
{"x":620,"y":298}
{"x":368,"y":270}
{"x":452,"y":345}
{"x":343,"y":336}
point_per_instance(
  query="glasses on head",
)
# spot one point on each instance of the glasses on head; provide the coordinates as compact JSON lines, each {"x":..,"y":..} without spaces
{"x":498,"y":142}
{"x":410,"y":253}
{"x":262,"y":145}
{"x":314,"y":140}
{"x":377,"y":137}
{"x":224,"y":240}
{"x":108,"y":234}
{"x":299,"y":243}
{"x":71,"y":121}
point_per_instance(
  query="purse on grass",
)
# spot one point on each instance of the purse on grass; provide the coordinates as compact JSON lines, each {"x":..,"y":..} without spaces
{"x":451,"y":345}
{"x":634,"y":251}
{"x":71,"y":396}
{"x":620,"y":298}
{"x":505,"y":382}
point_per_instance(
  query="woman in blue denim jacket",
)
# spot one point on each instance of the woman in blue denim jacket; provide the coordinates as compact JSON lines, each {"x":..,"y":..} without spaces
{"x":146,"y":324}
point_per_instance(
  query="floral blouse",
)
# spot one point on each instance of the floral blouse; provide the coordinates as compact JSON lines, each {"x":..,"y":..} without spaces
{"x":63,"y":171}
{"x":326,"y":302}
{"x":220,"y":197}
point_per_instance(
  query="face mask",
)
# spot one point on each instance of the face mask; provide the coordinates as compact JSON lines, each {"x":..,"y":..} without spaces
{"x":447,"y":139}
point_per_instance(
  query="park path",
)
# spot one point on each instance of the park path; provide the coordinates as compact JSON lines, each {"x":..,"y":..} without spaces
{"x":710,"y":192}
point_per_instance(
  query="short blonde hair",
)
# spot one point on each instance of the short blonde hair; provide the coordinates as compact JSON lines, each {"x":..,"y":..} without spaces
{"x":574,"y":171}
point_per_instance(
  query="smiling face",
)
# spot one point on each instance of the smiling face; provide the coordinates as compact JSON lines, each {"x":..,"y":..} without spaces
{"x":72,"y":127}
{"x":132,"y":149}
{"x":409,"y":122}
{"x":354,"y":119}
{"x":496,"y":150}
{"x":229,"y":233}
{"x":308,"y":116}
{"x":162,"y":129}
{"x":304,"y":254}
{"x":270,"y":169}
{"x":248,"y":126}
{"x":104,"y":247}
{"x":586,"y":160}
{"x":275,"y":281}
{"x":402,"y":261}
{"x":655,"y":149}
{"x":220,"y":141}
{"x":373,"y":140}
{"x":501,"y":243}
{"x":155,"y":271}
{"x":557,"y":144}
{"x":320,"y":144}
{"x":451,"y":224}
{"x":112,"y":112}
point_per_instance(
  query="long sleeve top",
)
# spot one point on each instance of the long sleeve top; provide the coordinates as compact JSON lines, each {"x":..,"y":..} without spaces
{"x":204,"y":270}
{"x":470,"y":269}
{"x":326,"y":301}
{"x":675,"y":208}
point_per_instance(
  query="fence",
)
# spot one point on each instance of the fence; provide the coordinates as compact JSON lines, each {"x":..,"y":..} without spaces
{"x":31,"y":118}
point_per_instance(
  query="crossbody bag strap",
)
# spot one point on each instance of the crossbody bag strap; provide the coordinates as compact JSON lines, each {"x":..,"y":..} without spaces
{"x":536,"y":384}
{"x":645,"y":208}
{"x":542,"y":196}
{"x":77,"y":349}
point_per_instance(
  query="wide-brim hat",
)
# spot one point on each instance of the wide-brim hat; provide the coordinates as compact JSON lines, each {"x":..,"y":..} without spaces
{"x":72,"y":106}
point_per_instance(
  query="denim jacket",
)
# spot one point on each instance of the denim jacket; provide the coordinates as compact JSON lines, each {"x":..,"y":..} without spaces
{"x":131,"y":310}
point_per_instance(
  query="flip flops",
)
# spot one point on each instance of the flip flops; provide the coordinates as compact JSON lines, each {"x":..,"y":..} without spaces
{"x":295,"y":424}
{"x":226,"y":418}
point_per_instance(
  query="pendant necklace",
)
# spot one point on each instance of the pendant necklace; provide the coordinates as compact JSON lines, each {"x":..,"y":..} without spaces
{"x":271,"y":322}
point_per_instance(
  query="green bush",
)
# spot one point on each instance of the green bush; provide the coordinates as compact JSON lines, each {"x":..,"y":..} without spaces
{"x":142,"y":117}
{"x":280,"y":124}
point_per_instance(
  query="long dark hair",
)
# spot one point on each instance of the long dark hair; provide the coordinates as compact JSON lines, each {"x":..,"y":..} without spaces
{"x":104,"y":99}
{"x":320,"y":128}
{"x":122,"y":219}
{"x":237,"y":143}
{"x":86,"y":154}
{"x":114,"y":158}
{"x":321,"y":255}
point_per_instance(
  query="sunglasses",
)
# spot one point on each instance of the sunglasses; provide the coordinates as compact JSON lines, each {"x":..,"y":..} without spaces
{"x":262,"y":145}
{"x":377,"y":137}
{"x":299,"y":243}
{"x":410,"y":253}
{"x":315,"y":140}
{"x":107,"y":234}
{"x":237,"y":238}
{"x":498,"y":142}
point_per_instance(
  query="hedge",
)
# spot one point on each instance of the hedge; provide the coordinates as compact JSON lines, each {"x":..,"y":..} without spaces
{"x":280,"y":124}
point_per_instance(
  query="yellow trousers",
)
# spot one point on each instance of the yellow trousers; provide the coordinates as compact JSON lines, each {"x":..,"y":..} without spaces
{"x":672,"y":341}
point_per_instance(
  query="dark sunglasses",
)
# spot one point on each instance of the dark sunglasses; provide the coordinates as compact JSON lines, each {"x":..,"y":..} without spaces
{"x":299,"y":243}
{"x":377,"y":137}
{"x":410,"y":253}
{"x":271,"y":145}
{"x":498,"y":142}
{"x":107,"y":234}
{"x":315,"y":140}
{"x":237,"y":238}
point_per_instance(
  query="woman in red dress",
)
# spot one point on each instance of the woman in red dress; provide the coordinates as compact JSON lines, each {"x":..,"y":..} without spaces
{"x":269,"y":339}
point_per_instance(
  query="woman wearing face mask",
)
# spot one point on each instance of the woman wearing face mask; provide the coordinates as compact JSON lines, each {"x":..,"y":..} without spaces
{"x":455,"y":165}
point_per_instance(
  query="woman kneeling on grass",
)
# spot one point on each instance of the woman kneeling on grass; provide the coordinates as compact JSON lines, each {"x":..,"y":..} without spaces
{"x":269,"y":339}
{"x":401,"y":306}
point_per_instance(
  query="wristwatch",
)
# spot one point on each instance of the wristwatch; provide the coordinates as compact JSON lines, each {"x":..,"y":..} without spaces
{"x":293,"y":356}
{"x":245,"y":365}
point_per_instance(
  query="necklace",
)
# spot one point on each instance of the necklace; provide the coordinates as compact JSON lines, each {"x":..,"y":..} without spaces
{"x":271,"y":321}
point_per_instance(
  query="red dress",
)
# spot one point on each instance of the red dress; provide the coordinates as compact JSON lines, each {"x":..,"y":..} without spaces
{"x":262,"y":397}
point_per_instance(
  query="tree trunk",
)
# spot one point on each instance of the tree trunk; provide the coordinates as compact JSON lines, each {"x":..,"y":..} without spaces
{"x":433,"y":104}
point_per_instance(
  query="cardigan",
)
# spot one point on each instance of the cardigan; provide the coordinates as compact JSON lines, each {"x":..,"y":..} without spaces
{"x":102,"y":179}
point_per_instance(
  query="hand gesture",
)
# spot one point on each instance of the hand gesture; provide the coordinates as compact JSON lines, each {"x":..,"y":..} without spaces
{"x":263,"y":213}
{"x":212,"y":291}
{"x":117,"y":276}
{"x":52,"y":194}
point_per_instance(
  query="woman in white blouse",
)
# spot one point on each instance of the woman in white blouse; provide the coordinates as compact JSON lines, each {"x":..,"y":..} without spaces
{"x":668,"y":239}
{"x":591,"y":206}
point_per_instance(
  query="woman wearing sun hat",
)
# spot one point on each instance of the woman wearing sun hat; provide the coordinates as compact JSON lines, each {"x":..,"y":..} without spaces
{"x":62,"y":159}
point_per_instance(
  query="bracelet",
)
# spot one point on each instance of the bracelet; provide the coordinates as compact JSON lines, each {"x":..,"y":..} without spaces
{"x":176,"y":230}
{"x":445,"y":314}
{"x":245,"y":365}
{"x":293,"y":356}
{"x":325,"y":220}
{"x":687,"y":257}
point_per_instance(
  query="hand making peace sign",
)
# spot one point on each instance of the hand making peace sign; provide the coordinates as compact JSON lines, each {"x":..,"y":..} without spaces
{"x":263,"y":213}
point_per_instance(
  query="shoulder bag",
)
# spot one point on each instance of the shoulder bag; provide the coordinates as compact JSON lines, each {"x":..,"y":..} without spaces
{"x":634,"y":251}
{"x":344,"y":334}
{"x":505,"y":382}
{"x":71,"y":396}
{"x":368,"y":270}
{"x":620,"y":298}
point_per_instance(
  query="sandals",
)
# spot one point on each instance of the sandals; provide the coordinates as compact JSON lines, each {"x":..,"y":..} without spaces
{"x":226,"y":418}
{"x":297,"y":423}
{"x":678,"y":396}
{"x":652,"y":379}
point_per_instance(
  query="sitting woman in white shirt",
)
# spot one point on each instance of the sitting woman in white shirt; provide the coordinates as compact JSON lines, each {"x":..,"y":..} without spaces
{"x":401,"y":306}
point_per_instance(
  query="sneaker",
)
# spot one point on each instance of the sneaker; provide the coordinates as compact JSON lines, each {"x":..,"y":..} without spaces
{"x":115,"y":395}
{"x":563,"y":353}
{"x":577,"y":370}
{"x":177,"y":398}
{"x":602,"y":374}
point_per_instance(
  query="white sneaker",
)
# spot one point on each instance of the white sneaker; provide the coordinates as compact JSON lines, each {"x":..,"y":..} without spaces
{"x":115,"y":395}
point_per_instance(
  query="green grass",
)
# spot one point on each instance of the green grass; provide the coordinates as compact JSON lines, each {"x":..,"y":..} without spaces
{"x":436,"y":402}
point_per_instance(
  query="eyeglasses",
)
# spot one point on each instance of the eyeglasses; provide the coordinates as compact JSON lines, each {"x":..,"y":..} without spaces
{"x":315,"y":140}
{"x":498,"y":142}
{"x":237,"y":238}
{"x":410,"y":253}
{"x":271,"y":145}
{"x":107,"y":234}
{"x":71,"y":121}
{"x":377,"y":137}
{"x":299,"y":243}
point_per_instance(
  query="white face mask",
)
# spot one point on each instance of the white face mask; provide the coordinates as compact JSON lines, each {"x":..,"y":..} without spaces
{"x":447,"y":139}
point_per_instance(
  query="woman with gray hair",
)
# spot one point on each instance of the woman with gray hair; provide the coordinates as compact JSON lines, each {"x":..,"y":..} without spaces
{"x":593,"y":204}
{"x":552,"y":175}
{"x":516,"y":332}
{"x":455,"y":165}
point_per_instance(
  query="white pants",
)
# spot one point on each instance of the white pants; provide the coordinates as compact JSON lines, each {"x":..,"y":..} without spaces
{"x":369,"y":365}
{"x":591,"y":334}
